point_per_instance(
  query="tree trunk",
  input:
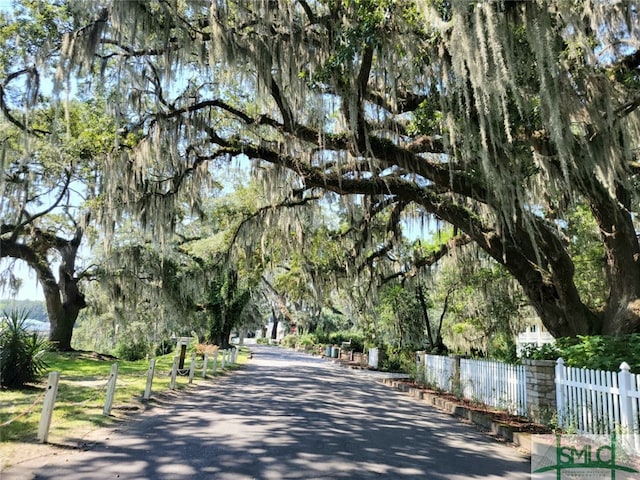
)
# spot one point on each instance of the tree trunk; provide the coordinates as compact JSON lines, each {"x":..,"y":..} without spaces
{"x":274,"y":330}
{"x":222,"y":339}
{"x":219,"y":333}
{"x":425,"y":313}
{"x":219,"y":328}
{"x":546,"y":273}
{"x":61,"y":322}
{"x":63,"y":299}
{"x":622,"y":312}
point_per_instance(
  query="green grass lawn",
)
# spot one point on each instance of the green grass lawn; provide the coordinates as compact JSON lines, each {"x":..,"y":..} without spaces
{"x":82,"y":393}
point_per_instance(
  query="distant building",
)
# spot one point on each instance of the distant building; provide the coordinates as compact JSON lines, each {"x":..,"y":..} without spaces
{"x":535,"y":334}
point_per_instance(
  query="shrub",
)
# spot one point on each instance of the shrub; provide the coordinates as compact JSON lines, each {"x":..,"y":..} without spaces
{"x":306,"y":341}
{"x":21,"y":351}
{"x":602,"y":352}
{"x":132,"y":351}
{"x":356,"y":339}
{"x":289,"y":341}
{"x":262,"y":341}
{"x":322,"y":337}
{"x":547,"y":351}
{"x":165,"y":346}
{"x":205,"y":348}
{"x":598,"y":352}
{"x":393,"y":359}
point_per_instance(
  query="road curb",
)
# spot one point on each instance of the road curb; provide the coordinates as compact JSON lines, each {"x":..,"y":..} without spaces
{"x":522,"y":440}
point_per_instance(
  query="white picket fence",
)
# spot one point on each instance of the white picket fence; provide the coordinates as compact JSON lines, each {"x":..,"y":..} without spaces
{"x":597,"y":401}
{"x":437,"y":370}
{"x":497,"y":384}
{"x":588,"y":401}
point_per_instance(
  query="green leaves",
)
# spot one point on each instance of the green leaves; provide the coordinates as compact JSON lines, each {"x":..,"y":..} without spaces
{"x":21,"y":351}
{"x":598,"y":352}
{"x":588,"y":256}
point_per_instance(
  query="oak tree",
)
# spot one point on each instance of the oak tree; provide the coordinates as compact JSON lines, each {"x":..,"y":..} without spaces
{"x":497,"y":118}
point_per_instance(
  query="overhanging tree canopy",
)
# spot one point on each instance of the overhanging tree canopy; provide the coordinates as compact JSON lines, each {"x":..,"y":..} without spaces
{"x":497,"y":118}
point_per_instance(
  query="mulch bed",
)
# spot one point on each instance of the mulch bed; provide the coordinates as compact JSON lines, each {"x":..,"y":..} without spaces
{"x":515,"y":422}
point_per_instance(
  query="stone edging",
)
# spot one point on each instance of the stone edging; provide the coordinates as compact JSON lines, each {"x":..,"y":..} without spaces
{"x":522,"y":440}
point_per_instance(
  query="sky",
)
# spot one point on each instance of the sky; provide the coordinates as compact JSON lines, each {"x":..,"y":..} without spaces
{"x":31,"y":289}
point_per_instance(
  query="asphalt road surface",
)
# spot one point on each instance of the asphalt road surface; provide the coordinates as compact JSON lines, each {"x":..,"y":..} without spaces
{"x":287,"y":415}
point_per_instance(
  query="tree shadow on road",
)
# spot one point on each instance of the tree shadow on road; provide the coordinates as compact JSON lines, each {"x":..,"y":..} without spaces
{"x":288,"y":415}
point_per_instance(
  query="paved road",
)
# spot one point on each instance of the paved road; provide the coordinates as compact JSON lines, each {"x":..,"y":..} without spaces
{"x":291,"y":416}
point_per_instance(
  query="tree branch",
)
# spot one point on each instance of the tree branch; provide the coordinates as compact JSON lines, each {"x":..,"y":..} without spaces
{"x":432,"y":258}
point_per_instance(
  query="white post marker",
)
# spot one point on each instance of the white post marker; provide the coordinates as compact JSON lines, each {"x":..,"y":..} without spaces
{"x":150,"y":374}
{"x":560,"y":392}
{"x":47,"y":406}
{"x":111,"y":389}
{"x":204,"y":365}
{"x":215,"y":362}
{"x":174,"y":373}
{"x":192,"y":367}
{"x":224,"y":359}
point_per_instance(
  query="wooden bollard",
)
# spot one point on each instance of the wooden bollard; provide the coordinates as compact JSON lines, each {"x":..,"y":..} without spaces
{"x":174,"y":373}
{"x":111,"y":390}
{"x":192,"y":367}
{"x":204,"y":365}
{"x":150,"y":374}
{"x":215,"y":362}
{"x":47,"y":406}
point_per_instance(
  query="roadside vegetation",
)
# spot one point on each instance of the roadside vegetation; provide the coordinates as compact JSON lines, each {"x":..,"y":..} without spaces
{"x":21,"y":351}
{"x":597,"y":352}
{"x":81,"y":394}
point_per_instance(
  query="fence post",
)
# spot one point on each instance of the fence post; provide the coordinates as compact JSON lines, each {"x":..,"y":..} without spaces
{"x":47,"y":406}
{"x":561,"y":401}
{"x":215,"y":362}
{"x":111,"y":389}
{"x":223,"y":361}
{"x":192,"y":367}
{"x":456,"y":382}
{"x":626,"y":406}
{"x":204,"y":365}
{"x":150,"y":373}
{"x":541,"y":389}
{"x":420,"y":366}
{"x":174,"y":373}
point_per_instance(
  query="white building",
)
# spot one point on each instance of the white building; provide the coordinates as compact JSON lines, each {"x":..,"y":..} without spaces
{"x":534,"y":334}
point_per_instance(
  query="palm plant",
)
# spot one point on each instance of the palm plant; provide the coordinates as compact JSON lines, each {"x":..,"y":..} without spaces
{"x":21,"y":351}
